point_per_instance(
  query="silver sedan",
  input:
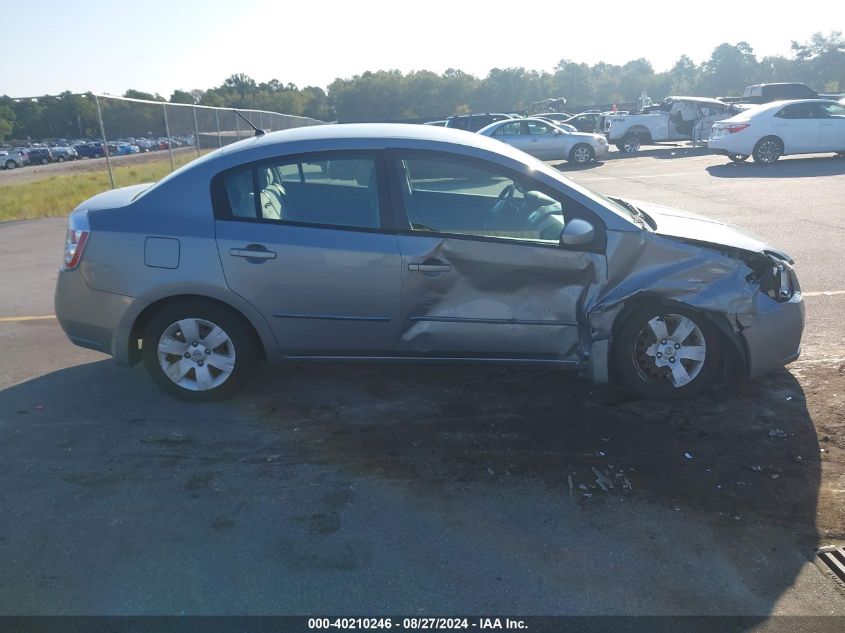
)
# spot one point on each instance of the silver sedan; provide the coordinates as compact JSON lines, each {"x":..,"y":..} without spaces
{"x":547,"y":141}
{"x":412,"y":243}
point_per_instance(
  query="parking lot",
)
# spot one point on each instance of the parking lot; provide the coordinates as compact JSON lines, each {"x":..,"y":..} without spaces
{"x":434,"y":490}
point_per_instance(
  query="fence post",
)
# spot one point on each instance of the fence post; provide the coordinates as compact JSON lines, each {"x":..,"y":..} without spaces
{"x":196,"y":131}
{"x":167,"y":133}
{"x":217,"y":119}
{"x":237,"y":127}
{"x":105,"y":141}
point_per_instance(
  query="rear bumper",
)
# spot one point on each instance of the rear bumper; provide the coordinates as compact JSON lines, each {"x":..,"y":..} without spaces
{"x":773,"y":334}
{"x":91,"y":318}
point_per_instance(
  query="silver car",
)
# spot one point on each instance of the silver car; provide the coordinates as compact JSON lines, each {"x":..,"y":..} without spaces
{"x":415,"y":244}
{"x":546,"y":141}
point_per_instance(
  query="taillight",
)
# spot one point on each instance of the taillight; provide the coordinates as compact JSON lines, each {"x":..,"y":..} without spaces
{"x":74,"y":245}
{"x":737,"y":127}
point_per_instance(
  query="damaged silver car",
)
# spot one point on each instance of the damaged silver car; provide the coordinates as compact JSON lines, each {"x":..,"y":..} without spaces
{"x":415,"y":244}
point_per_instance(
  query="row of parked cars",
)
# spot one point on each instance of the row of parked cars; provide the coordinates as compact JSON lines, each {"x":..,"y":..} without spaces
{"x":764,"y":124}
{"x":64,"y":150}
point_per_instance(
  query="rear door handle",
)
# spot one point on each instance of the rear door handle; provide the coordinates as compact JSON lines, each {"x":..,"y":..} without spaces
{"x":252,"y":253}
{"x":430,"y":267}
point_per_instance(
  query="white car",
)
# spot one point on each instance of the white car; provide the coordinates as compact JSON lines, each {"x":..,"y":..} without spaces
{"x":776,"y":129}
{"x":547,"y":141}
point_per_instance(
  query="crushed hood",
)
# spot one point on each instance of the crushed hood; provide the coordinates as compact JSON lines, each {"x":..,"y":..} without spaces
{"x":702,"y":230}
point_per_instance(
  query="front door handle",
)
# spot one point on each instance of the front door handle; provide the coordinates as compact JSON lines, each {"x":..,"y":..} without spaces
{"x":430,"y":266}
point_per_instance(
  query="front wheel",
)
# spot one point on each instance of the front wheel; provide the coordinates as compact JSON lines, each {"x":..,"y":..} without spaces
{"x":738,"y":158}
{"x":10,"y":164}
{"x":666,"y":352}
{"x":581,"y":154}
{"x":199,"y":351}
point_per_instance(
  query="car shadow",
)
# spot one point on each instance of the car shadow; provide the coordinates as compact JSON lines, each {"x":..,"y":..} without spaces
{"x":109,"y":475}
{"x":663,"y":152}
{"x":790,"y":167}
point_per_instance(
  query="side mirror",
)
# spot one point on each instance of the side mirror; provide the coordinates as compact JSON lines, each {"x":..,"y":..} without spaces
{"x":577,"y":232}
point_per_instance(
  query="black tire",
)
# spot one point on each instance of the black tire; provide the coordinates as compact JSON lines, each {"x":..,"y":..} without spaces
{"x":10,"y":164}
{"x":60,"y":159}
{"x":43,"y":161}
{"x":767,"y":150}
{"x":631,"y":142}
{"x":581,"y":154}
{"x":738,"y":158}
{"x":637,"y":372}
{"x":240,"y":335}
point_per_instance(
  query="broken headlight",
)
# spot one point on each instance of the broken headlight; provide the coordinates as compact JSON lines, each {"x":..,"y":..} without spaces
{"x":774,"y":275}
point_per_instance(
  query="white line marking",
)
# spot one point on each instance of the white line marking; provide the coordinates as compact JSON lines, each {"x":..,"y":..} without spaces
{"x":688,"y":173}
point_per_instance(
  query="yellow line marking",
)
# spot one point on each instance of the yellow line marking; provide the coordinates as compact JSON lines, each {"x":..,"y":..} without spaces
{"x":44,"y":317}
{"x":824,"y":293}
{"x":47,"y":317}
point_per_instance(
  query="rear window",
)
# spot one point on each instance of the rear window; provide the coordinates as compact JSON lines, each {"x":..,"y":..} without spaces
{"x":335,"y":191}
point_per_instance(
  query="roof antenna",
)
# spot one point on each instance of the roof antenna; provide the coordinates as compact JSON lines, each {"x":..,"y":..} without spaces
{"x":258,"y":130}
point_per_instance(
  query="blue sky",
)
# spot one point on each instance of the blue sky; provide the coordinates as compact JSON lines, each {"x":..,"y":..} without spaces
{"x":156,"y":46}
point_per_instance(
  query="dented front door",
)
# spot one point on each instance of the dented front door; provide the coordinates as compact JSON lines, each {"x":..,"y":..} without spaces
{"x":471,"y":298}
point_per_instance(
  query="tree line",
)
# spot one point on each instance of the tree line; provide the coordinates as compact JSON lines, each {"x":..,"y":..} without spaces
{"x":390,"y":95}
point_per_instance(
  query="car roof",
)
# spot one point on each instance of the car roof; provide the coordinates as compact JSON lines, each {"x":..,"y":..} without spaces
{"x":775,"y":105}
{"x":368,"y":131}
{"x":696,"y":99}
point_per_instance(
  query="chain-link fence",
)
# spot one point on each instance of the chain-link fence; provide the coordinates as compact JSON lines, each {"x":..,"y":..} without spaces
{"x":85,"y":143}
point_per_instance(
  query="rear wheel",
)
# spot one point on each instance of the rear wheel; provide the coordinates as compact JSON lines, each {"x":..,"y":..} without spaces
{"x":581,"y":154}
{"x":738,"y":158}
{"x":199,"y":351}
{"x":767,"y":150}
{"x":631,"y":142}
{"x":10,"y":164}
{"x":60,"y":159}
{"x":666,"y":352}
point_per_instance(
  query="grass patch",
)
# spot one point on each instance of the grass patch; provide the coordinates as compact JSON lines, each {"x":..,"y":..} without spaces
{"x":59,"y":195}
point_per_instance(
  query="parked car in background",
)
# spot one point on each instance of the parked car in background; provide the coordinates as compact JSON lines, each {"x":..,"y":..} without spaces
{"x":474,"y":122}
{"x":767,"y":132}
{"x":90,"y":150}
{"x":673,"y":119}
{"x":766,"y":93}
{"x":10,"y":159}
{"x":485,"y":255}
{"x":547,"y":141}
{"x":557,"y":117}
{"x":24,"y":152}
{"x":40,"y":156}
{"x":146,"y":145}
{"x":585,"y":121}
{"x":62,"y":153}
{"x":562,"y":126}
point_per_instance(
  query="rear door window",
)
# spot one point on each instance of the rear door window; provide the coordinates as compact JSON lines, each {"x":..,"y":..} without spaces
{"x":334,"y":191}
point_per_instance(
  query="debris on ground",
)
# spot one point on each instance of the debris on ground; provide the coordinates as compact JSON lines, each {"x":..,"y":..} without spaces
{"x":570,"y":485}
{"x":687,"y":455}
{"x":777,"y":433}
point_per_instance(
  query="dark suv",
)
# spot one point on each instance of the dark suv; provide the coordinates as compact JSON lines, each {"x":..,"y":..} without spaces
{"x":90,"y":150}
{"x":40,"y":156}
{"x":474,"y":122}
